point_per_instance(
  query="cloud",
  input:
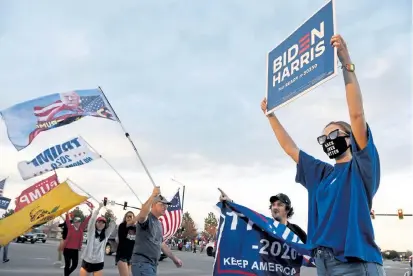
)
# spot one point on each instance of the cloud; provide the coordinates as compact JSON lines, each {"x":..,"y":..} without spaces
{"x":186,"y":79}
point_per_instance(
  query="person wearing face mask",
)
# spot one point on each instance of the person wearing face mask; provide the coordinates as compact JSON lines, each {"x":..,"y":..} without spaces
{"x":281,"y":210}
{"x":340,"y":230}
{"x":73,"y":242}
{"x":98,"y":234}
{"x":126,"y":242}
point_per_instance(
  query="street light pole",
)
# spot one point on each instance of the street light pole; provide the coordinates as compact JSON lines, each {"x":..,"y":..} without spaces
{"x":183,"y":192}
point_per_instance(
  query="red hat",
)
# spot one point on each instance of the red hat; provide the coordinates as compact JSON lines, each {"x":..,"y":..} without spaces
{"x":101,"y":219}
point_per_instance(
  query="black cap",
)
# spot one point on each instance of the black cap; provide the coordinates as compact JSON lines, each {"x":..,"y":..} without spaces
{"x":281,"y":197}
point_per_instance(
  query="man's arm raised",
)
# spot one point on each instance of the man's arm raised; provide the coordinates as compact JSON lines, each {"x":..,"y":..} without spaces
{"x":146,"y":207}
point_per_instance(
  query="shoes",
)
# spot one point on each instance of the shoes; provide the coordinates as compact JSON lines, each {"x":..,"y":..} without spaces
{"x":5,"y":261}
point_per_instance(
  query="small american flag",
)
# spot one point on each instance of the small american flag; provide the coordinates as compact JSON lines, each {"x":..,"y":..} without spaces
{"x":2,"y":183}
{"x":172,"y":219}
{"x":91,"y":104}
{"x":89,"y":204}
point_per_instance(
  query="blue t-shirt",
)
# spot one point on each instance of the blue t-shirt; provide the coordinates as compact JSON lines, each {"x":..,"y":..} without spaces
{"x":339,"y":202}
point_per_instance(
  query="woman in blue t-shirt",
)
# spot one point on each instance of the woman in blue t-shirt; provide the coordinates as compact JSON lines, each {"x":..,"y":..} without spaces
{"x":340,"y":230}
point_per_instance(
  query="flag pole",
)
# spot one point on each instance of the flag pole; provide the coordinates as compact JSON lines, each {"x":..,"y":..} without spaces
{"x":183,"y":197}
{"x":130,"y":140}
{"x":121,"y":177}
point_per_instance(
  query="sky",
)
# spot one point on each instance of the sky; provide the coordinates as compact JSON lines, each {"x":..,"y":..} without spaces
{"x":186,"y":78}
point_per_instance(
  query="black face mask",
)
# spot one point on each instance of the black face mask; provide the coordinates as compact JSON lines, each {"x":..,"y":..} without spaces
{"x":335,"y":148}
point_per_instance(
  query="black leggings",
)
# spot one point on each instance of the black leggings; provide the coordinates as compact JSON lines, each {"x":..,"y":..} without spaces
{"x":71,"y":260}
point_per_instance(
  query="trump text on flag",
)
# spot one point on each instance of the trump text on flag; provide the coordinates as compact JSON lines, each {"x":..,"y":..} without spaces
{"x":56,"y":155}
{"x":265,"y":247}
{"x":74,"y":152}
{"x":35,"y":191}
{"x":302,"y":61}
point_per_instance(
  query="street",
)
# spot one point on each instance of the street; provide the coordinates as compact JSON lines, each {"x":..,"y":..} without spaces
{"x":37,"y":259}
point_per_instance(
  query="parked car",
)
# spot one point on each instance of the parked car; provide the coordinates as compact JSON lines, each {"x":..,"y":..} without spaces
{"x":210,"y":248}
{"x":39,"y":237}
{"x":32,"y":237}
{"x":112,"y":244}
{"x":21,"y":238}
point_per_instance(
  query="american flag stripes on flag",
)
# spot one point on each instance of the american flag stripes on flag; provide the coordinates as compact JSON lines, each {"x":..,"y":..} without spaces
{"x":172,"y":219}
{"x":89,"y":105}
{"x":47,"y":113}
{"x":2,"y":183}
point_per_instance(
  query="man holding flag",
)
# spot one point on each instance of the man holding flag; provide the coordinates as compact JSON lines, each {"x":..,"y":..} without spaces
{"x":259,"y":245}
{"x":281,"y":211}
{"x":149,"y":240}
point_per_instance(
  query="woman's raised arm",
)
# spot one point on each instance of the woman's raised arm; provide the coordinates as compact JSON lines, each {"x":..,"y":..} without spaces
{"x":353,"y":93}
{"x":284,"y":139}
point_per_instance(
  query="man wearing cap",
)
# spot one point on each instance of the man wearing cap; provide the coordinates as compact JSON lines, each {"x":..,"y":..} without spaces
{"x":148,"y":239}
{"x":281,"y":210}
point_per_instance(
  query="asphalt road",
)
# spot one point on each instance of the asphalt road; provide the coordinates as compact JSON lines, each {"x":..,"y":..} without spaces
{"x":37,"y":259}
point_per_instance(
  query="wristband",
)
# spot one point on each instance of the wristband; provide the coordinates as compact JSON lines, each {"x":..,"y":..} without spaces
{"x":349,"y":67}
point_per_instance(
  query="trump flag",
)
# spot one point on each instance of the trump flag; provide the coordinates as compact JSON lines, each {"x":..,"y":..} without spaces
{"x":54,"y":203}
{"x":35,"y":191}
{"x":253,"y":244}
{"x":26,"y":120}
{"x":72,"y":153}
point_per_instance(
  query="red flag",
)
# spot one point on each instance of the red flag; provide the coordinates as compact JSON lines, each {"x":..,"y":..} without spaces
{"x":35,"y":191}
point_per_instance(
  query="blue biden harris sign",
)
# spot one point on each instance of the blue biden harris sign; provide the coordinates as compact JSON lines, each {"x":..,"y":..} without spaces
{"x":303,"y":61}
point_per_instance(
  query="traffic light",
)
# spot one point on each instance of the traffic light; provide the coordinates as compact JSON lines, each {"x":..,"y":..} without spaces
{"x":125,"y":205}
{"x":105,"y":201}
{"x":400,"y":212}
{"x":373,"y":216}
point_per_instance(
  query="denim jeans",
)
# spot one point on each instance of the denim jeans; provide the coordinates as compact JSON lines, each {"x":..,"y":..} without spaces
{"x":328,"y":265}
{"x":143,"y":269}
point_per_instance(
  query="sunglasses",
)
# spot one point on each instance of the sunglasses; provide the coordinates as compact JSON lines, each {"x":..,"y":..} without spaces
{"x":332,"y":135}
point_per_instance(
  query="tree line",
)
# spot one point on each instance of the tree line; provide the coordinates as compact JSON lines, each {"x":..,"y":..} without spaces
{"x":188,"y":230}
